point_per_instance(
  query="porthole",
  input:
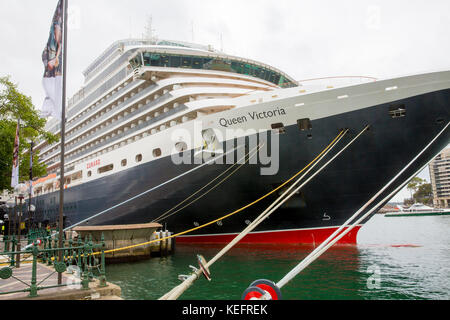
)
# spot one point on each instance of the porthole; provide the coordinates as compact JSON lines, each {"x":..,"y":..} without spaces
{"x":139,"y":158}
{"x":278,"y":128}
{"x":157,"y":152}
{"x":397,"y":111}
{"x":89,"y":173}
{"x":123,"y":162}
{"x":304,"y":124}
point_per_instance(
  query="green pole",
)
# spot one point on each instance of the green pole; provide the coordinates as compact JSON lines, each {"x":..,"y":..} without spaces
{"x":6,"y":241}
{"x":102,"y":266}
{"x":70,"y":256}
{"x":13,"y":262}
{"x":33,"y":287}
{"x":49,"y":253}
{"x":85,"y":281}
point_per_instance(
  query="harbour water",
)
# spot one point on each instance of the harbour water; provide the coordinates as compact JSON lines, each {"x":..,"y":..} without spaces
{"x":400,"y":258}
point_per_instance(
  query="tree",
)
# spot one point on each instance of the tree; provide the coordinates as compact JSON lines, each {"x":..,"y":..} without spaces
{"x":424,"y":194}
{"x":414,"y":184}
{"x":15,"y":105}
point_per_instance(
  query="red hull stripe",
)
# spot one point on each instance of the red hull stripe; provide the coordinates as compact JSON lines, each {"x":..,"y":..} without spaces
{"x":313,"y":236}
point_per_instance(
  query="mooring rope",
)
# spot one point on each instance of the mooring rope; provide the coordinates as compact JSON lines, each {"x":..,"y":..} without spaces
{"x":336,"y":236}
{"x":178,"y":290}
{"x":223,"y":217}
{"x":168,"y":213}
{"x":229,"y":214}
{"x":145,"y":192}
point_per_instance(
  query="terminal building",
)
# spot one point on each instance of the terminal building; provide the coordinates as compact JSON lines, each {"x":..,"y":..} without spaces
{"x":440,"y":179}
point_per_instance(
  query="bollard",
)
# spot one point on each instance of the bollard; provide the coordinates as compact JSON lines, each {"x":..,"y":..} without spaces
{"x":169,"y":244}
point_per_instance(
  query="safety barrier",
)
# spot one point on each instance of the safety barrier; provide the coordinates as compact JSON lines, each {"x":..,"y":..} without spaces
{"x":77,"y":259}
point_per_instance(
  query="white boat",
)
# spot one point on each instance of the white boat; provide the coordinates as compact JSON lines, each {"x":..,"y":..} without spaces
{"x":418,"y":209}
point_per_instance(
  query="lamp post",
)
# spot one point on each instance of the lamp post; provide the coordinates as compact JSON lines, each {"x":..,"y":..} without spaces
{"x":21,"y":189}
{"x":31,"y":210}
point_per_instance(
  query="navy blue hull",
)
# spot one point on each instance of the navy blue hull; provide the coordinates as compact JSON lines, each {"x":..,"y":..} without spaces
{"x":336,"y":192}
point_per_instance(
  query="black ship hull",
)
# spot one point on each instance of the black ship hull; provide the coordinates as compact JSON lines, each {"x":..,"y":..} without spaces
{"x":324,"y":204}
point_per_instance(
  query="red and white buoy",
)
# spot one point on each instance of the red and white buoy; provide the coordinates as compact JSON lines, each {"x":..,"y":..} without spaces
{"x":262,"y":289}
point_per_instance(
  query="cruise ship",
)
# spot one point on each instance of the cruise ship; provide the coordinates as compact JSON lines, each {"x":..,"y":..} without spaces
{"x":148,"y":133}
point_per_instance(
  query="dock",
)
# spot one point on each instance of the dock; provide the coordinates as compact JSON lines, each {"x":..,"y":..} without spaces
{"x":36,"y":277}
{"x":85,"y":251}
{"x":47,"y":276}
{"x":129,"y":242}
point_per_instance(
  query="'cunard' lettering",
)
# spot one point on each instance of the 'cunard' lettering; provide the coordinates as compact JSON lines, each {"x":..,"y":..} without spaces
{"x":255,"y":115}
{"x":93,"y":164}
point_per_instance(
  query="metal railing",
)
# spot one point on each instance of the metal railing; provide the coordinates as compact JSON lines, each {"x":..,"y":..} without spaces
{"x":78,"y":260}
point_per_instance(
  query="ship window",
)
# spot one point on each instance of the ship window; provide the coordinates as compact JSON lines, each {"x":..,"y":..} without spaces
{"x":397,"y":110}
{"x":186,"y":62}
{"x":139,"y":158}
{"x":175,"y":62}
{"x":304,"y":124}
{"x":181,"y":146}
{"x":157,"y":152}
{"x":278,"y":128}
{"x":165,"y":61}
{"x":155,"y":60}
{"x":77,"y":175}
{"x":123,"y":162}
{"x":104,"y":169}
{"x":89,"y":173}
{"x":197,"y":63}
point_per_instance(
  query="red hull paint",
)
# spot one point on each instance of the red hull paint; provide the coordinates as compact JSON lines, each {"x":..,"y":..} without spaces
{"x":308,"y":236}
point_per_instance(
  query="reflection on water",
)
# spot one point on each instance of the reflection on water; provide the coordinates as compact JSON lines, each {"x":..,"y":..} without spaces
{"x":396,"y":258}
{"x":412,"y":253}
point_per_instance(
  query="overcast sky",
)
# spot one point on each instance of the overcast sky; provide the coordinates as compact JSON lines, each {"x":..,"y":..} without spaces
{"x":305,"y":39}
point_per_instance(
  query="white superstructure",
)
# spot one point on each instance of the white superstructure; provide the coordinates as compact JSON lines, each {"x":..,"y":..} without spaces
{"x":138,"y":91}
{"x":137,"y":88}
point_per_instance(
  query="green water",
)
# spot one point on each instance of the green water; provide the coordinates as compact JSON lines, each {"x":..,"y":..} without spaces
{"x":401,"y":258}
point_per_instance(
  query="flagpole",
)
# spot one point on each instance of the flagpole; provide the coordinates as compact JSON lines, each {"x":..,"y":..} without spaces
{"x":31,"y":186}
{"x":63,"y":127}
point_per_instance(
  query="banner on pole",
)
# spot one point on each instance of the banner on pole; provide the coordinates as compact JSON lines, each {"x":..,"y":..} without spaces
{"x":15,"y":166}
{"x":53,"y":61}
